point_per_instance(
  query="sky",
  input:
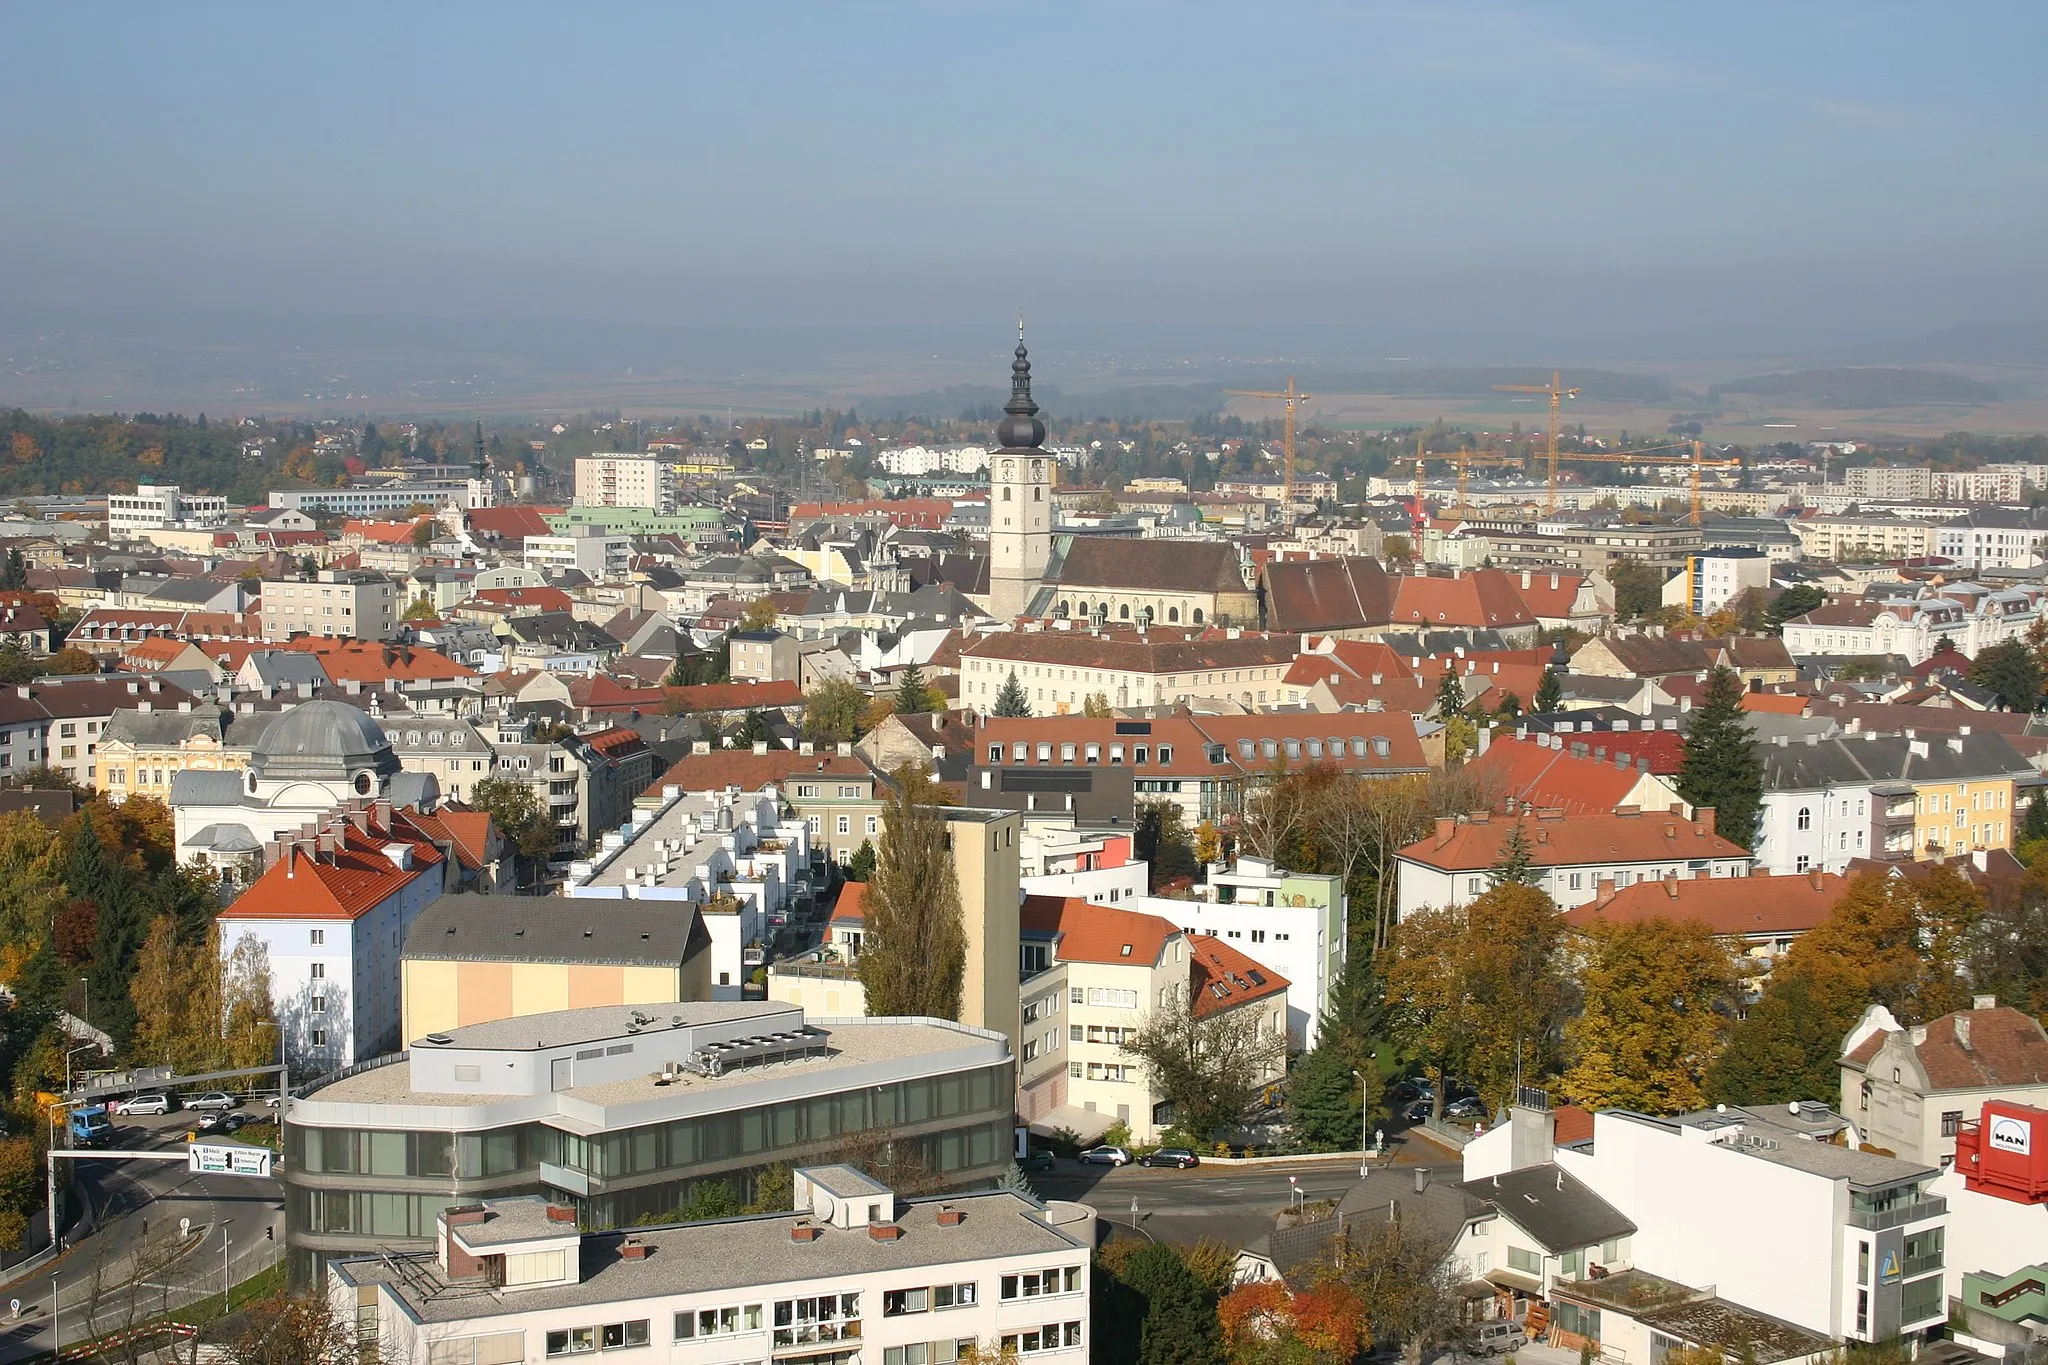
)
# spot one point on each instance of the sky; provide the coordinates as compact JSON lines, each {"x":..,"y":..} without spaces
{"x":1599,"y":167}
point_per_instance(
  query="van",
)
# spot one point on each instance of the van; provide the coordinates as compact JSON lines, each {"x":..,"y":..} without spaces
{"x":1499,"y":1338}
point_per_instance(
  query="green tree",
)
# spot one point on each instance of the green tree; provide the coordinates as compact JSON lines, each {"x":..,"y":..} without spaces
{"x":1638,"y":589}
{"x":1096,"y":706}
{"x":1325,"y":1101}
{"x":1719,"y":765}
{"x":912,"y":697}
{"x":832,"y":711}
{"x":2008,"y":669}
{"x":1161,"y":840}
{"x":1795,"y":601}
{"x":1514,"y":863}
{"x":1655,"y":998}
{"x":1211,"y":1068}
{"x":1450,"y":694}
{"x":248,"y":1011}
{"x":518,"y":814}
{"x":1176,"y":1313}
{"x":1510,"y":707}
{"x":753,"y":730}
{"x":774,"y":1189}
{"x":423,"y":534}
{"x":1010,"y":698}
{"x":1549,"y":693}
{"x":861,"y":866}
{"x":913,"y":958}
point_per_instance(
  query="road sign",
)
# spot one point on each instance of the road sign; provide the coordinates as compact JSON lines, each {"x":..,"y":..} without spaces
{"x":223,"y":1158}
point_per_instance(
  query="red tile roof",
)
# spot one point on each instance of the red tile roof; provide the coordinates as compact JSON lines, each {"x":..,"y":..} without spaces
{"x":157,"y":652}
{"x":1548,"y":594}
{"x":1482,"y":599}
{"x":1730,"y":906}
{"x":1573,"y":1125}
{"x":383,"y":532}
{"x":369,"y":661}
{"x":735,"y":696}
{"x":750,"y":771}
{"x":468,"y":831}
{"x":1222,"y":978}
{"x":852,"y":905}
{"x":526,"y":599}
{"x":1973,"y":1049}
{"x":346,"y":884}
{"x":511,"y":523}
{"x":1086,"y":932}
{"x":1554,"y":841}
{"x":1538,"y":775}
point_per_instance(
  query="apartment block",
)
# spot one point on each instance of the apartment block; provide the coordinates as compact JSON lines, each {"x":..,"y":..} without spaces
{"x":617,"y":480}
{"x":341,"y":603}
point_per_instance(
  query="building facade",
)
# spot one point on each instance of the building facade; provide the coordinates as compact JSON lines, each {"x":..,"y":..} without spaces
{"x":342,"y":603}
{"x":615,"y":480}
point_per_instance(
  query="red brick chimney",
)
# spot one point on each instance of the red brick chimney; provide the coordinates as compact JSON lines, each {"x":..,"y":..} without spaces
{"x":1446,"y":827}
{"x":1604,"y":892}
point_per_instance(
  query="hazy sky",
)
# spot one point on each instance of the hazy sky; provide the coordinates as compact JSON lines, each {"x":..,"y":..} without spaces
{"x":1617,"y":165}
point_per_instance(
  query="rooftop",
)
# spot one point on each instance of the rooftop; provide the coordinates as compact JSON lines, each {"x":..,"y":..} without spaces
{"x":483,"y":928}
{"x":1620,"y":837}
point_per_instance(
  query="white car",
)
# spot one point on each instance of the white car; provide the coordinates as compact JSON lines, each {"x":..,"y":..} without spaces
{"x":213,"y":1102}
{"x":1106,"y":1156}
{"x":141,"y":1104}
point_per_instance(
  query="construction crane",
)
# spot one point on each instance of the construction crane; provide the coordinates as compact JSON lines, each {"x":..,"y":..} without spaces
{"x":1469,"y":458}
{"x":1293,"y":398}
{"x":1558,"y":393}
{"x":1663,"y":455}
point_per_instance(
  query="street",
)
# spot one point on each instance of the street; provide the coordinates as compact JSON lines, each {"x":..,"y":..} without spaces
{"x":137,"y":1265}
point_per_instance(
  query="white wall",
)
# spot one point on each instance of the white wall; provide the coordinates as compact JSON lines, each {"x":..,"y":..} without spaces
{"x":1103,"y":886}
{"x":1783,"y":843}
{"x":1423,"y":887}
{"x":1291,"y":939}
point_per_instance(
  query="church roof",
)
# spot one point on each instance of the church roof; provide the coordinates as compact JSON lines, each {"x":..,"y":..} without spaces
{"x":322,"y":740}
{"x":1151,"y":565}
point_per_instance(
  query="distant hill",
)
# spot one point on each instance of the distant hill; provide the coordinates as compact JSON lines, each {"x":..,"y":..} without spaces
{"x":1134,"y":403}
{"x":1873,"y":386}
{"x":1443,"y":382}
{"x":1970,"y":343}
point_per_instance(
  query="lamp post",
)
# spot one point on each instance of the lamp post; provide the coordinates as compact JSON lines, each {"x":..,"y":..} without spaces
{"x":226,"y":1275}
{"x":1364,"y":1124}
{"x":56,"y":1326}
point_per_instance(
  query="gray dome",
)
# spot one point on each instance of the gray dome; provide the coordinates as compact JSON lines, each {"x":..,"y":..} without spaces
{"x":322,"y":741}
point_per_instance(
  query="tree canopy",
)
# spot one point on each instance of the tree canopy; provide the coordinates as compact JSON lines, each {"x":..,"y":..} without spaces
{"x":913,"y":958}
{"x":1719,"y":765}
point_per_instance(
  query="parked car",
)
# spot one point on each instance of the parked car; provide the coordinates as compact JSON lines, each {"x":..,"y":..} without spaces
{"x":1499,"y":1338}
{"x":272,"y":1101}
{"x":214,"y":1101}
{"x":1179,"y":1158}
{"x":1471,"y":1107}
{"x":142,"y":1104}
{"x":1106,"y":1156}
{"x":1416,"y":1112}
{"x":221,"y":1123}
{"x":1037,"y":1161}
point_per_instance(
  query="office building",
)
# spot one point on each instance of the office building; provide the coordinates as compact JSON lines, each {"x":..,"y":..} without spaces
{"x":615,"y":480}
{"x":341,"y":603}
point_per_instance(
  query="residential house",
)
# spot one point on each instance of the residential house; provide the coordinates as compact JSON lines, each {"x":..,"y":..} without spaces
{"x":1911,"y":1090}
{"x":1758,"y":917}
{"x":338,"y":603}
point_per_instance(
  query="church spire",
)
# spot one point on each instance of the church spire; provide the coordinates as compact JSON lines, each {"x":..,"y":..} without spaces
{"x":1020,"y":429}
{"x":479,"y":459}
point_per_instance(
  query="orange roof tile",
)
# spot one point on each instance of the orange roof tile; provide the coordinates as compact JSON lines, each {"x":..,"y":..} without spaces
{"x":750,"y":771}
{"x":346,"y":884}
{"x":1554,"y":841}
{"x":369,"y":661}
{"x":1542,"y":776}
{"x":1097,"y":933}
{"x":1222,"y":978}
{"x":736,"y":696}
{"x":1729,"y":906}
{"x":852,"y":905}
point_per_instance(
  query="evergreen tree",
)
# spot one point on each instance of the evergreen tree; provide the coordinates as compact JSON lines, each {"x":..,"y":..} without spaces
{"x":1325,"y":1103}
{"x":1179,"y":1325}
{"x":753,"y":730}
{"x":1719,"y":765}
{"x":1014,"y":1181}
{"x":1010,"y":698}
{"x":2009,"y":670}
{"x":911,"y":696}
{"x":1514,"y":863}
{"x":1549,"y":693}
{"x":861,"y":866}
{"x":2035,"y":826}
{"x":913,"y":958}
{"x":1450,"y":694}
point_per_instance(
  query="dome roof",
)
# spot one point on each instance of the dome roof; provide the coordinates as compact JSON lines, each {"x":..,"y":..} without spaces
{"x":322,"y":740}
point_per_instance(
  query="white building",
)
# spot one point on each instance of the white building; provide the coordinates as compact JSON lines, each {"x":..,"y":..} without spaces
{"x":599,"y":554}
{"x":616,"y":480}
{"x":1714,"y":578}
{"x":332,"y":912}
{"x":1992,"y":538}
{"x":1764,"y":1208}
{"x":856,"y":1273}
{"x":396,"y":496}
{"x":1569,"y":858}
{"x":1291,"y":922}
{"x":1969,"y":615}
{"x":1886,"y":481}
{"x":346,"y":603}
{"x":161,"y":507}
{"x":730,"y":854}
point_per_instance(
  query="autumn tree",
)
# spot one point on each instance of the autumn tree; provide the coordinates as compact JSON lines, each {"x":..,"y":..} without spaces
{"x":519,"y":816}
{"x":1483,"y":989}
{"x":248,"y":1012}
{"x":832,"y":711}
{"x":71,"y":662}
{"x":759,"y":615}
{"x":1655,"y":1000}
{"x":913,"y":958}
{"x":293,"y":1329}
{"x":1401,"y":1278}
{"x":1211,"y":1066}
{"x":1718,"y":762}
{"x":1264,"y":1323}
{"x":1096,"y":706}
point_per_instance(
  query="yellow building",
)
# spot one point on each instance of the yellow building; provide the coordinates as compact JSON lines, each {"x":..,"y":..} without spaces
{"x":142,"y":752}
{"x":476,"y":959}
{"x":1951,"y":817}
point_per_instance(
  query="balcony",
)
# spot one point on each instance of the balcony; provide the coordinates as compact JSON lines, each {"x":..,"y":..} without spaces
{"x":1898,"y":1216}
{"x":564,"y":1179}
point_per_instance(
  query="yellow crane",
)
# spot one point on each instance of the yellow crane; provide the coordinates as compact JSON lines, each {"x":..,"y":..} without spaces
{"x":1657,"y":455}
{"x":1558,"y":393}
{"x":1293,"y":398}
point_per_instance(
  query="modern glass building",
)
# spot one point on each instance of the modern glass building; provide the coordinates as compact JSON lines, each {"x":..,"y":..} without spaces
{"x":620,"y":1111}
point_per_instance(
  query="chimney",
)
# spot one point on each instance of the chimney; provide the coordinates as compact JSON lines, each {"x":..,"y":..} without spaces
{"x":1671,"y":887}
{"x":633,"y":1249}
{"x":1962,"y":1028}
{"x":1446,"y":826}
{"x":1605,"y":892}
{"x":884,"y":1232}
{"x":803,"y":1230}
{"x":1983,"y":1002}
{"x":950,"y":1217}
{"x":561,"y":1213}
{"x":1814,"y":876}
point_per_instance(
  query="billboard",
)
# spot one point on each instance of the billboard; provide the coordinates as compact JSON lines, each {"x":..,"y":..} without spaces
{"x":227,"y":1158}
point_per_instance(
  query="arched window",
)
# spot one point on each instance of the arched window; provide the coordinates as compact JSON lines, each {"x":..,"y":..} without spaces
{"x":1198,"y":616}
{"x":1123,"y":613}
{"x":1038,"y":495}
{"x":1006,"y":495}
{"x":1173,"y":614}
{"x":1805,"y":818}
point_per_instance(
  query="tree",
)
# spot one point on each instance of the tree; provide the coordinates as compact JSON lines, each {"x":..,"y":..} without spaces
{"x":423,"y":533}
{"x":753,"y":730}
{"x":911,"y":695}
{"x":293,"y":1329}
{"x":774,"y":1189}
{"x":1401,"y":1278}
{"x":1719,"y":765}
{"x":1510,"y":707}
{"x":1014,"y":1181}
{"x":2008,"y":669}
{"x":1549,"y":693}
{"x":1210,"y":1067}
{"x":1795,"y":601}
{"x":1160,"y":839}
{"x":759,"y":615}
{"x":1514,"y":863}
{"x":1010,"y":698}
{"x":1482,"y":989}
{"x":1264,"y":1323}
{"x":1655,"y":1000}
{"x":832,"y":711}
{"x":1325,"y":1102}
{"x":422,"y":609}
{"x":861,"y":866}
{"x":1450,"y":694}
{"x":706,"y":1200}
{"x":1638,"y":589}
{"x":246,"y":1005}
{"x":71,"y":662}
{"x":518,"y":814}
{"x":1174,"y":1313}
{"x":1461,"y":737}
{"x":913,"y":958}
{"x":1096,"y":705}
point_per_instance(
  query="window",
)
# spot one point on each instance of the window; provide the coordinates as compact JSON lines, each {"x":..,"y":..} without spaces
{"x":827,"y":1317}
{"x":1034,"y":1341}
{"x":1582,"y":1322}
{"x":845,"y":824}
{"x":955,"y":1295}
{"x":319,"y":1004}
{"x":1472,"y":886}
{"x":1863,"y":1263}
{"x":1034,"y":1284}
{"x":1528,"y":1262}
{"x":1920,"y":1301}
{"x":319,"y":1037}
{"x":1805,"y":818}
{"x":897,"y":1302}
{"x":317,"y":936}
{"x":1801,"y":863}
{"x":618,"y":1335}
{"x":572,"y":1341}
{"x":1951,"y":1122}
{"x":317,"y":971}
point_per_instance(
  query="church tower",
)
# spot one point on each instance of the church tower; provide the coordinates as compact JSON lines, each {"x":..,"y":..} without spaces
{"x":1021,"y":476}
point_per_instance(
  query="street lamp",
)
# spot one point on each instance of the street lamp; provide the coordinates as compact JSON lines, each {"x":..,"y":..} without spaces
{"x":82,"y":1047}
{"x":1364,"y":1120}
{"x":56,"y":1326}
{"x":226,"y":1275}
{"x":86,"y":982}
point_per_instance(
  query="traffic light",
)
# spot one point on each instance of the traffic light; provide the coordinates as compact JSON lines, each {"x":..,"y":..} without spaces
{"x":270,"y":1234}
